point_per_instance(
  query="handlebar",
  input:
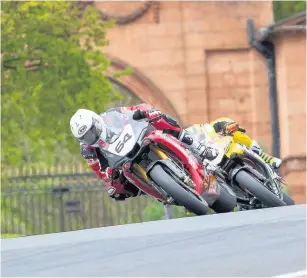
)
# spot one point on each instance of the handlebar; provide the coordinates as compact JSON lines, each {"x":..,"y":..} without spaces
{"x":139,"y":115}
{"x":242,"y":129}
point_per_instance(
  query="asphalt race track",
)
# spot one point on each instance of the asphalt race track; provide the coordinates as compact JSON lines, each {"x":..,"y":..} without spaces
{"x":265,"y":242}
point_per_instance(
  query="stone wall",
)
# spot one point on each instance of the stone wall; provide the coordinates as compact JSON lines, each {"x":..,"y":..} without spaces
{"x":182,"y":53}
{"x":291,"y":82}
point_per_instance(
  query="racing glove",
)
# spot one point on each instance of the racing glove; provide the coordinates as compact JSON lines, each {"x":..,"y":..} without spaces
{"x":151,"y":114}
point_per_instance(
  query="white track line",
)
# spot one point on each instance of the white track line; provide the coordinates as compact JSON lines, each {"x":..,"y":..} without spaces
{"x":301,"y":274}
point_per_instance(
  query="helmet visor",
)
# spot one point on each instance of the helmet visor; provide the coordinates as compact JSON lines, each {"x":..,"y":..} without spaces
{"x":92,"y":135}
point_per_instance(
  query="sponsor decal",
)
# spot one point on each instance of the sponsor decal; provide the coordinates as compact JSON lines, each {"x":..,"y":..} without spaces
{"x":210,"y":185}
{"x":81,"y":129}
{"x":111,"y":190}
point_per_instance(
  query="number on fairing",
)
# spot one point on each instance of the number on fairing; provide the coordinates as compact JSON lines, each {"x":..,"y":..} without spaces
{"x":124,"y":143}
{"x":119,"y":147}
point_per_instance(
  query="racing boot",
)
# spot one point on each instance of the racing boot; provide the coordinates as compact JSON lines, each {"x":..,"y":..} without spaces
{"x":271,"y":160}
{"x":202,"y":152}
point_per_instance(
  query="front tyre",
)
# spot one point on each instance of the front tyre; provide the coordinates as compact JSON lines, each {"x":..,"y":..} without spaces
{"x":256,"y":188}
{"x":177,"y":192}
{"x":288,"y":200}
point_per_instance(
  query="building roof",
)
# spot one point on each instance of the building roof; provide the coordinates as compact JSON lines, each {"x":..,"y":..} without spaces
{"x":296,"y":19}
{"x":294,"y":23}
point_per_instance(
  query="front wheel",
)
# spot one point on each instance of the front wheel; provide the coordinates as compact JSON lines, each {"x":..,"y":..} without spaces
{"x":256,"y":188}
{"x":288,"y":200}
{"x":177,"y":192}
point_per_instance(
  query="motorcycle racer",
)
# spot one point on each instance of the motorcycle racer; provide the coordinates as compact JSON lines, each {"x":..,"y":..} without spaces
{"x":94,"y":132}
{"x":227,"y":126}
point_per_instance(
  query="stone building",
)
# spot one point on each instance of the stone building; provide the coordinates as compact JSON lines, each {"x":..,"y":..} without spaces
{"x":194,"y":61}
{"x":289,"y":38}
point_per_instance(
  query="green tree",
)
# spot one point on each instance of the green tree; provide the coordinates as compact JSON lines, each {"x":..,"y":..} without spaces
{"x":49,"y":69}
{"x":283,"y":9}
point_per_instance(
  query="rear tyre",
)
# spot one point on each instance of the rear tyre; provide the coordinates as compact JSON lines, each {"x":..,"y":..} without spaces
{"x":177,"y":192}
{"x":257,"y":189}
{"x":226,"y":201}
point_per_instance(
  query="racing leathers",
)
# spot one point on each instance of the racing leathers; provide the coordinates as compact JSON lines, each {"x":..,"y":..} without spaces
{"x":227,"y":126}
{"x":118,"y":186}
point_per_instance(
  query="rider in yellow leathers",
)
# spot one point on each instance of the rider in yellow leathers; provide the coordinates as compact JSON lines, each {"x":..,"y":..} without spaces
{"x":227,"y":126}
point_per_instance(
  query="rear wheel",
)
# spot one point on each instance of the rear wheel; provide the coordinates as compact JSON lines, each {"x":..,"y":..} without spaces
{"x":257,"y":189}
{"x":226,"y":201}
{"x":177,"y":192}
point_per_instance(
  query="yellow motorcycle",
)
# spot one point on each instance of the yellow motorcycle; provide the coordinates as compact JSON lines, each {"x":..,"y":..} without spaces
{"x":254,"y":182}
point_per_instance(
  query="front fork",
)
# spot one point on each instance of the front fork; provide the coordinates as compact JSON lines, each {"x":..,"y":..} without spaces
{"x":140,"y":170}
{"x":180,"y":175}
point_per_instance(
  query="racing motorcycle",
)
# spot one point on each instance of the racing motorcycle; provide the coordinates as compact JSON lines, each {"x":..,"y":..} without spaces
{"x":254,"y":182}
{"x":160,"y":166}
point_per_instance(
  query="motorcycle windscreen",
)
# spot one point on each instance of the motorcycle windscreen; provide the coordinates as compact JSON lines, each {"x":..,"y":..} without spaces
{"x":115,"y":123}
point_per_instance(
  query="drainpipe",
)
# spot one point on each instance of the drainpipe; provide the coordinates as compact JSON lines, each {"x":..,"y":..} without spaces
{"x":266,"y":49}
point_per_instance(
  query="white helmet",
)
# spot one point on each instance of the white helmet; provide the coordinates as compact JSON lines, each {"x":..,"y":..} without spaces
{"x":87,"y":126}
